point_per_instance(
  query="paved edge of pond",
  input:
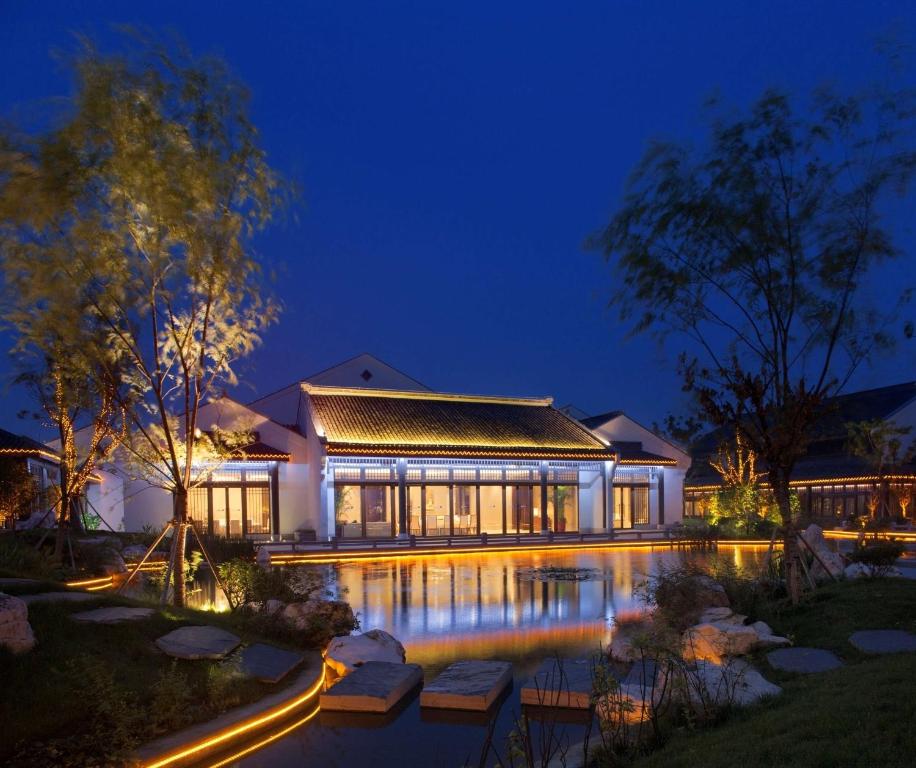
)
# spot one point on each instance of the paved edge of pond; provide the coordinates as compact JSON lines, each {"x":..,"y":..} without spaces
{"x":238,"y":725}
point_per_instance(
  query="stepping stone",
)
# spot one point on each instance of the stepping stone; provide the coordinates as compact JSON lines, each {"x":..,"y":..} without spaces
{"x":569,"y":688}
{"x":10,"y":582}
{"x":59,"y":597}
{"x":804,"y":660}
{"x":471,"y":685}
{"x":883,"y":641}
{"x":197,"y":643}
{"x":113,"y":615}
{"x":376,"y":686}
{"x":268,"y":663}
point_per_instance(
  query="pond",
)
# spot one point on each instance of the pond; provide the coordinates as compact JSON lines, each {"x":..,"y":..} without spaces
{"x":519,"y":607}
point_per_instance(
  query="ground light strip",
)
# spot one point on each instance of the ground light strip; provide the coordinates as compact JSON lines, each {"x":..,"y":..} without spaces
{"x":264,"y":742}
{"x":236,"y":730}
{"x":324,"y":557}
{"x":92,"y":584}
{"x":901,"y":535}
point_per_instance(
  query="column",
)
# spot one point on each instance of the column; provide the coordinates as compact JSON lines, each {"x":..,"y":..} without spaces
{"x":403,"y":529}
{"x":545,"y":525}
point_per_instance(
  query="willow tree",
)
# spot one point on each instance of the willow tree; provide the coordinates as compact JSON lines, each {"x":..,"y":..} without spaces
{"x":180,"y":186}
{"x":755,"y":251}
{"x":47,"y":225}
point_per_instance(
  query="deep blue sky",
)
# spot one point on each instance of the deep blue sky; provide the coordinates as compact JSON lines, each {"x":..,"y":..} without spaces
{"x":453,"y":158}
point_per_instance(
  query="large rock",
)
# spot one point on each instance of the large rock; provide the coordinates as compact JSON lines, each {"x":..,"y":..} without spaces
{"x":827,"y":558}
{"x":708,"y":592}
{"x":137,"y":551}
{"x":345,"y":654}
{"x":735,"y":683}
{"x":15,"y":631}
{"x":713,"y":641}
{"x":335,"y":614}
{"x":861,"y":570}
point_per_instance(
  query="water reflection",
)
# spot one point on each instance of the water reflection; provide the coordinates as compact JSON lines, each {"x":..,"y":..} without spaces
{"x":469,"y":606}
{"x":488,"y":606}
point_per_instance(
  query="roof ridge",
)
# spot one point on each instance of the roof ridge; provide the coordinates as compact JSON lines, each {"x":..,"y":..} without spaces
{"x":407,"y":394}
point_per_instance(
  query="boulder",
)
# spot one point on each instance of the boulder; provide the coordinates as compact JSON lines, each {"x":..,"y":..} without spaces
{"x":15,"y":631}
{"x":345,"y":654}
{"x":721,"y":614}
{"x":112,"y":542}
{"x":827,"y":558}
{"x":766,"y":638}
{"x":716,"y":640}
{"x":861,"y":570}
{"x":735,"y":683}
{"x":627,"y":638}
{"x":709,"y":593}
{"x":135,"y":552}
{"x":336,"y":614}
{"x":113,"y":563}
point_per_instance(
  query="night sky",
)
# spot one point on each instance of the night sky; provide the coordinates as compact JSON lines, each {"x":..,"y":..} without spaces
{"x":453,"y":158}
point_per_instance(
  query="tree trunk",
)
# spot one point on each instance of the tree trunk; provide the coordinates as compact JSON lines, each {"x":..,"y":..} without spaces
{"x":779,"y":481}
{"x":181,"y":530}
{"x":63,"y":518}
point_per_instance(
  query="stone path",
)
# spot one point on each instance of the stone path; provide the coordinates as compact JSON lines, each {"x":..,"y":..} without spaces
{"x":113,"y":615}
{"x":198,"y":643}
{"x":472,"y":685}
{"x":803,"y":660}
{"x":376,"y":686}
{"x":570,"y":687}
{"x":883,"y":641}
{"x":59,"y":597}
{"x":268,"y":663}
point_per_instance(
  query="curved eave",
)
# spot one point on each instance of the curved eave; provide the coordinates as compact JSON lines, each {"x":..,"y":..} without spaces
{"x":468,"y":451}
{"x":242,"y":456}
{"x":29,"y":453}
{"x":655,"y":462}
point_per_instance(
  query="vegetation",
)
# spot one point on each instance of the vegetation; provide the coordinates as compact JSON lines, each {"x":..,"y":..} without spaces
{"x":87,"y":697}
{"x":854,"y":716}
{"x":757,"y":250}
{"x":885,"y":448}
{"x":18,"y":491}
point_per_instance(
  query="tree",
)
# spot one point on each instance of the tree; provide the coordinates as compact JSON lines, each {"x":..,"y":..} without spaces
{"x":882,"y":445}
{"x":18,"y":491}
{"x":756,"y":250}
{"x":182,"y":185}
{"x":741,"y":494}
{"x":48,"y":225}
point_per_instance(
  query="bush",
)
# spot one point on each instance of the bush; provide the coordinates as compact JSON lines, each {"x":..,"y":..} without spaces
{"x":107,"y":732}
{"x":18,"y":556}
{"x":223,"y":686}
{"x":247,"y":582}
{"x":879,"y":556}
{"x":171,"y":700}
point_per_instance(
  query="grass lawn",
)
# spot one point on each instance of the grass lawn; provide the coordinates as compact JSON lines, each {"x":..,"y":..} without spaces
{"x":53,"y":691}
{"x":863,"y":714}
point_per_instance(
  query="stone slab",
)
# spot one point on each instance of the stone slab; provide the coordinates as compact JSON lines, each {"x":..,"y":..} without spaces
{"x":13,"y":582}
{"x":883,"y":641}
{"x":268,"y":663}
{"x":803,"y":660}
{"x":198,"y":642}
{"x":473,"y":685}
{"x":113,"y":615}
{"x":59,"y":597}
{"x":376,"y":686}
{"x":566,"y":684}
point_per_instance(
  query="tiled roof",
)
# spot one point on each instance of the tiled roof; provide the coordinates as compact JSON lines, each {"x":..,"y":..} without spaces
{"x":20,"y":445}
{"x":414,"y":423}
{"x":827,"y":456}
{"x":639,"y":456}
{"x":260,"y":452}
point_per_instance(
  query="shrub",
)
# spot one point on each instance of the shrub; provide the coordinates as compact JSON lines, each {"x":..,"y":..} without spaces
{"x":879,"y":556}
{"x":171,"y":700}
{"x":106,"y":732}
{"x":19,"y":556}
{"x":223,"y":686}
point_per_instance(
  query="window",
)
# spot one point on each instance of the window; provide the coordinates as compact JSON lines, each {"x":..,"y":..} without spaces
{"x":631,"y":505}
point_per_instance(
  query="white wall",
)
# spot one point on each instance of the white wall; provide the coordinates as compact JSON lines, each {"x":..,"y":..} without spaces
{"x":107,"y":500}
{"x":383,"y":376}
{"x":624,"y":429}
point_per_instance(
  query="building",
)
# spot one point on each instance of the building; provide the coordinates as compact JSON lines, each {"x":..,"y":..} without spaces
{"x":42,"y":464}
{"x":833,"y":484}
{"x":362,"y":450}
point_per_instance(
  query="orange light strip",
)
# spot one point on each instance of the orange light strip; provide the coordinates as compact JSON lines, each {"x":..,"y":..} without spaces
{"x":26,"y":452}
{"x":234,"y":731}
{"x":815,"y":481}
{"x":97,"y":583}
{"x":902,"y":535}
{"x":264,"y":742}
{"x":337,"y":556}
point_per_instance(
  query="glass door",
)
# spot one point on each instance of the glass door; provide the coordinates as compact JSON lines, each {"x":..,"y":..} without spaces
{"x":236,"y":513}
